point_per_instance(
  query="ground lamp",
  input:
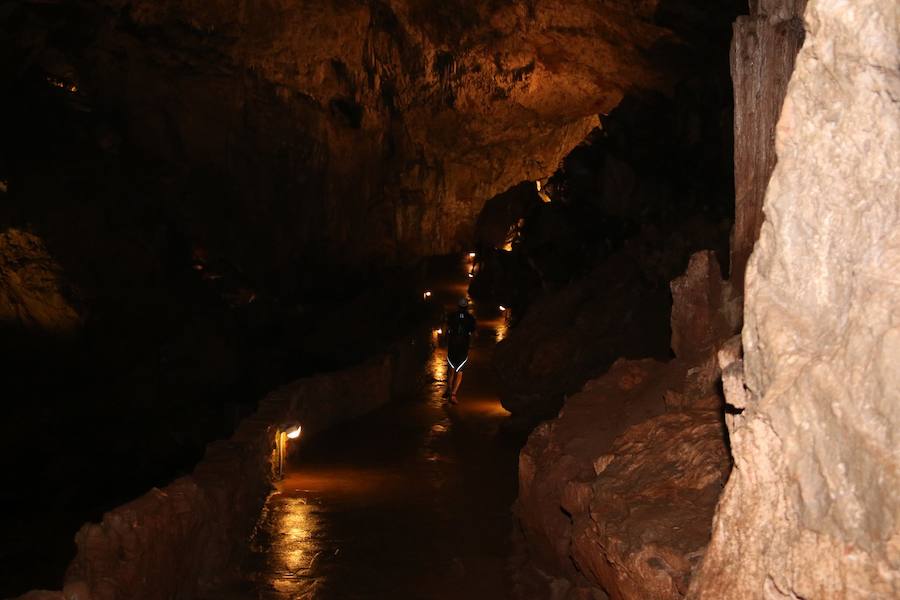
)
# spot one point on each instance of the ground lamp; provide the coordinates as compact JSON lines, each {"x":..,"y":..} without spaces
{"x":286,"y":432}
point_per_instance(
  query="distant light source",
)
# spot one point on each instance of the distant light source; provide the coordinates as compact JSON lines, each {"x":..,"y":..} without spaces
{"x":471,"y":275}
{"x":439,"y":331}
{"x":69,"y":87}
{"x":472,"y":255}
{"x":502,"y":308}
{"x":285,"y":432}
{"x":538,"y":184}
{"x":427,"y":294}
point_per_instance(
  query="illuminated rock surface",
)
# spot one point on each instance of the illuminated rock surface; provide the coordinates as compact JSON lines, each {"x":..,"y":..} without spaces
{"x":32,"y":287}
{"x":362,"y":129}
{"x":618,"y":492}
{"x":813,"y":504}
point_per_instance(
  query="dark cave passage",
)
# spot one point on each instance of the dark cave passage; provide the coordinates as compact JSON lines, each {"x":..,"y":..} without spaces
{"x":219,"y":221}
{"x":412,"y":500}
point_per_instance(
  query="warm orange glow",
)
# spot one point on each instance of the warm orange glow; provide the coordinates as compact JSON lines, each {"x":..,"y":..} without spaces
{"x":507,"y":247}
{"x":69,"y":87}
{"x":295,"y":433}
{"x":439,"y":331}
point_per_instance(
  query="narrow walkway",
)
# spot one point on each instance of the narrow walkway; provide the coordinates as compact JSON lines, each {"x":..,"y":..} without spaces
{"x":412,"y":501}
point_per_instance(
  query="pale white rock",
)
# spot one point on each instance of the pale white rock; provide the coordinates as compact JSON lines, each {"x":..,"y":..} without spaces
{"x":812,"y":508}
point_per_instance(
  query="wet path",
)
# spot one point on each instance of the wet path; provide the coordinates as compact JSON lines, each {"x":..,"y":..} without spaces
{"x":409,"y":502}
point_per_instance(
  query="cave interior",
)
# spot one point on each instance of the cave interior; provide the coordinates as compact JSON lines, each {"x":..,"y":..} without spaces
{"x":204,"y":205}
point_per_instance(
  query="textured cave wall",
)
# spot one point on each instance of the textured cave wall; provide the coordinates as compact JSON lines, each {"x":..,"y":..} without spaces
{"x":359,"y":128}
{"x":812,"y":508}
{"x":763,"y":49}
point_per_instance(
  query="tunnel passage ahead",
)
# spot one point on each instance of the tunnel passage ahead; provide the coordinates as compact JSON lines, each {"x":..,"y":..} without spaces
{"x":412,"y":501}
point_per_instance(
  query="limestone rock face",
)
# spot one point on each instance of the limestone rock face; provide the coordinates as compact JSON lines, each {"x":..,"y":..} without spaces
{"x":361,"y":128}
{"x":32,"y":286}
{"x":812,"y":509}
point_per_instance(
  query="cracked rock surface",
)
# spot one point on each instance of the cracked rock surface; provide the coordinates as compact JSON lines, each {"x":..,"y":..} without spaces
{"x":812,"y":509}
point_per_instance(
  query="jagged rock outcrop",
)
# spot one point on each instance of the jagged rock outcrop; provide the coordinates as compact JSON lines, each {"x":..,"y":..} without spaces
{"x":618,"y":492}
{"x":619,"y":310}
{"x":705,"y":309}
{"x":358,"y":129}
{"x":812,"y":509}
{"x":32,"y":287}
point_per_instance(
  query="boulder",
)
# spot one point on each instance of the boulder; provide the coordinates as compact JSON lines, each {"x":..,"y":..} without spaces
{"x":618,"y":492}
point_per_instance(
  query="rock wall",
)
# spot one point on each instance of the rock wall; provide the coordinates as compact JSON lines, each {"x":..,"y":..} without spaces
{"x":174,"y":541}
{"x":618,"y":492}
{"x":812,"y":509}
{"x":32,"y":288}
{"x":763,"y":49}
{"x":359,"y":129}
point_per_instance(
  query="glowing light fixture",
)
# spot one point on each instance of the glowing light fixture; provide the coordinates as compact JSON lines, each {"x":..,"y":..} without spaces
{"x":286,"y":431}
{"x":69,"y":87}
{"x":439,"y":331}
{"x":502,"y":308}
{"x":538,"y":184}
{"x":471,"y":275}
{"x":472,"y":255}
{"x":427,"y":294}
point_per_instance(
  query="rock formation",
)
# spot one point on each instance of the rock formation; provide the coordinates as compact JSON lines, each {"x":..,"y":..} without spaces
{"x":618,"y":492}
{"x":362,"y":129}
{"x":763,"y":49}
{"x":33,"y":291}
{"x":813,"y":504}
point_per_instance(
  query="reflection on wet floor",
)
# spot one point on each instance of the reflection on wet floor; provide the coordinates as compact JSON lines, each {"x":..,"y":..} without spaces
{"x":409,"y":502}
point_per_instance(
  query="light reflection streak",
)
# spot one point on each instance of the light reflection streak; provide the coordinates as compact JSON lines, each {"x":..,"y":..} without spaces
{"x":295,"y":539}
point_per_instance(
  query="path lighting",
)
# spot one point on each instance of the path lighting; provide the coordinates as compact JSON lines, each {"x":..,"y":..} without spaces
{"x":286,"y":431}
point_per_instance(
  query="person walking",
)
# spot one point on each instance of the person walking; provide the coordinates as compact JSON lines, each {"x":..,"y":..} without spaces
{"x":460,"y":327}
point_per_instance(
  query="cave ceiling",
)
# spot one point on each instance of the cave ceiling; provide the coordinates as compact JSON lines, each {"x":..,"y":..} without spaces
{"x":362,"y":128}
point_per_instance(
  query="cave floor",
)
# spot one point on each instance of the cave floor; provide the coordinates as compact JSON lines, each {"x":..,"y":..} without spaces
{"x":412,"y":501}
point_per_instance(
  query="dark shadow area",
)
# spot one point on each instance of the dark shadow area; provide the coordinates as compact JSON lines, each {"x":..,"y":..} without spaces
{"x":141,"y":338}
{"x":583,"y":260}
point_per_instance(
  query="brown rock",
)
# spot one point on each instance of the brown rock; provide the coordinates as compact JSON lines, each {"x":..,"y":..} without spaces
{"x":619,"y":488}
{"x":763,"y":49}
{"x":31,"y":287}
{"x":362,"y":129}
{"x":648,"y":522}
{"x":705,"y":311}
